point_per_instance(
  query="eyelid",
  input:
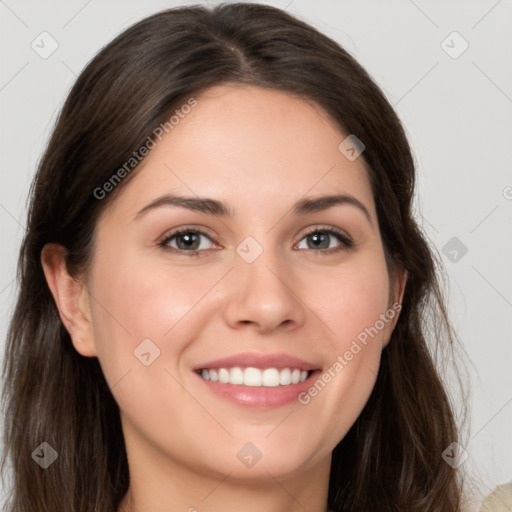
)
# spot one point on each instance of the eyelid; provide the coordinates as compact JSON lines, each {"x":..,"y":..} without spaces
{"x":328,"y":228}
{"x":175,"y":231}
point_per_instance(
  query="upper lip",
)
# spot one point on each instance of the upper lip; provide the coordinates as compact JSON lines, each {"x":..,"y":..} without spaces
{"x":258,"y":360}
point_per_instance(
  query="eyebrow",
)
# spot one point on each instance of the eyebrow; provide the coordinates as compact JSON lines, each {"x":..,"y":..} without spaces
{"x":221,"y":209}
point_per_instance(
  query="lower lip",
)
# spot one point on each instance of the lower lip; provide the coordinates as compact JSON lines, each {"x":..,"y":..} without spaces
{"x":259,"y":397}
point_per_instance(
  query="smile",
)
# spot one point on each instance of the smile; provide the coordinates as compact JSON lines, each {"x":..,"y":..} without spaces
{"x":255,"y":377}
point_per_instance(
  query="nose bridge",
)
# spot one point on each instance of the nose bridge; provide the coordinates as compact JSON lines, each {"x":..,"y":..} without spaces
{"x":261,"y":289}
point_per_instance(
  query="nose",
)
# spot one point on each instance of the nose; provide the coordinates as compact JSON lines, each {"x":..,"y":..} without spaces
{"x":263,"y":295}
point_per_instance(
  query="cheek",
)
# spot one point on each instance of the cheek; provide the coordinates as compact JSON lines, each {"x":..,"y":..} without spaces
{"x":145,"y":314}
{"x":134,"y":301}
{"x":351,"y":299}
{"x":351,"y":302}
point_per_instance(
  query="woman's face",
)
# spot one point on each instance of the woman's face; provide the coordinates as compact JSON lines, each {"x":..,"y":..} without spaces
{"x":259,"y":285}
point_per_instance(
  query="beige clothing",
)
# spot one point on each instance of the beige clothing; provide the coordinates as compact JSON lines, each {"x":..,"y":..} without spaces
{"x":500,"y":500}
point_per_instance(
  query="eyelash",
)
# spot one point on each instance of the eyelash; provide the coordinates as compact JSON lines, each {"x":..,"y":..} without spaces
{"x":346,"y":242}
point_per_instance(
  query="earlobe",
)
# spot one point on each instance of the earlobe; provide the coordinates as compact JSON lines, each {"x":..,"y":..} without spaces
{"x":401,"y":281}
{"x":395,"y":304}
{"x":71,"y":298}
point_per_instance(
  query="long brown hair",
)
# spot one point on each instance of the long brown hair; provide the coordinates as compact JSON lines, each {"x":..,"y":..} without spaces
{"x":390,"y":459}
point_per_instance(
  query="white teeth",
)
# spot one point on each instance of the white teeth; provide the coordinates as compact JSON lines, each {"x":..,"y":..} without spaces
{"x":223,"y":375}
{"x":285,"y":377}
{"x":254,"y":377}
{"x":236,"y":375}
{"x":270,"y":377}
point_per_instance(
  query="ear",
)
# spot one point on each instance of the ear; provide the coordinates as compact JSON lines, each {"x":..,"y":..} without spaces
{"x":71,"y":298}
{"x":397,"y":288}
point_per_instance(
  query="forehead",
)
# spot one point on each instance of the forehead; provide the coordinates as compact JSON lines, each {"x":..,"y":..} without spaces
{"x":253,"y":148}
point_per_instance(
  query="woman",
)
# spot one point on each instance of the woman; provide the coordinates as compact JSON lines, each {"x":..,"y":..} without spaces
{"x":224,"y":296}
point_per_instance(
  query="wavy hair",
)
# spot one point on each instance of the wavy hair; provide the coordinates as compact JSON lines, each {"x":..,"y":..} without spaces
{"x":390,"y":460}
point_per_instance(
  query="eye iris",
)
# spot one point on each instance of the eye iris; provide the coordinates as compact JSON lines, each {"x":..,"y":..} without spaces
{"x":320,"y":237}
{"x":192,"y":240}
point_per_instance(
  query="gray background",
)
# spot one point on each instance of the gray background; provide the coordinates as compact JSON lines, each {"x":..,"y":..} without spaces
{"x":457,"y":110}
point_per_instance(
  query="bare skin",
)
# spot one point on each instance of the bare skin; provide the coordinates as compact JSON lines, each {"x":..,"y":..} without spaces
{"x":259,"y":151}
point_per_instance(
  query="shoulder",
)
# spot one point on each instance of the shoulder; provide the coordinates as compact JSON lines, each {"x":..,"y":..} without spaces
{"x":500,"y":500}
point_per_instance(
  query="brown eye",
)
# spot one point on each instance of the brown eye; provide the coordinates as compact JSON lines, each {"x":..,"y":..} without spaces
{"x":186,"y":240}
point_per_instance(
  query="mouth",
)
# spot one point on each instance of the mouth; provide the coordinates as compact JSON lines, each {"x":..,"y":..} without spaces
{"x":257,"y":381}
{"x":256,"y":388}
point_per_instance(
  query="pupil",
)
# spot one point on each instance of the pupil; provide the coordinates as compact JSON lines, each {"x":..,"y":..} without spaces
{"x":189,"y":242}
